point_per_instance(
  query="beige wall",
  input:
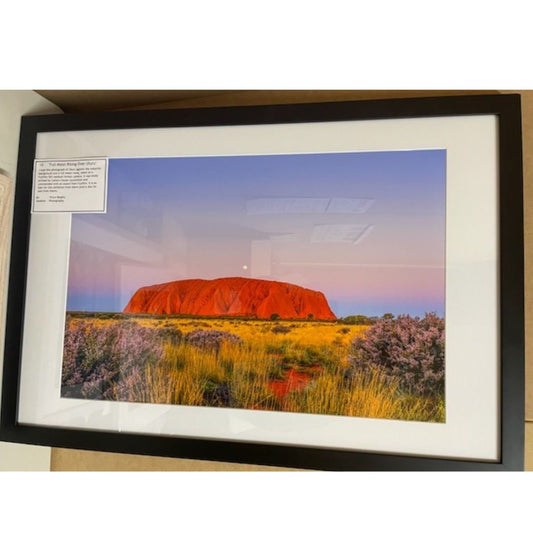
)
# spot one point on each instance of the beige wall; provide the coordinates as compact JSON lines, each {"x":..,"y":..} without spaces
{"x":13,"y":104}
{"x":83,"y":100}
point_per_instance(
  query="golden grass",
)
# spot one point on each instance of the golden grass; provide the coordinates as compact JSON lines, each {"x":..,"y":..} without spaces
{"x":369,"y":395}
{"x":185,"y":374}
{"x":241,"y":376}
{"x":308,"y":333}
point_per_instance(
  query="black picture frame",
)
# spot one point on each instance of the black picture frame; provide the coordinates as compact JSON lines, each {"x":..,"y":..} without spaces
{"x":511,"y":285}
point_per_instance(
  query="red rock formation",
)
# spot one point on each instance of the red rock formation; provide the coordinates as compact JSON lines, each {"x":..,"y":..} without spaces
{"x":230,"y":297}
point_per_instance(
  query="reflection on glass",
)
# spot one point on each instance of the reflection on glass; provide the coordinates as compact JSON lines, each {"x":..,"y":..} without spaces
{"x":305,"y":282}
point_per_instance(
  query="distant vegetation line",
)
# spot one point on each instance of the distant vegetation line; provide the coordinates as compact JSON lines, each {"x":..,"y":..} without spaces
{"x":355,"y":320}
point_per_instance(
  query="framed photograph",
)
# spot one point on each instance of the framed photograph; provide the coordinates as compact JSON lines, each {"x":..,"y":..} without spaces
{"x":333,"y":286}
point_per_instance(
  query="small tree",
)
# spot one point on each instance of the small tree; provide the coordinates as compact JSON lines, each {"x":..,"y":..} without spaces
{"x":274,"y":316}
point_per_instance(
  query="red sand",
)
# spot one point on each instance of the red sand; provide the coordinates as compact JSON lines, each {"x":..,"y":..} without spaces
{"x":294,"y":381}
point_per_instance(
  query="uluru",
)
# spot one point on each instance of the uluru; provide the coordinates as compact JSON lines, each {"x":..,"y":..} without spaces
{"x":237,"y":296}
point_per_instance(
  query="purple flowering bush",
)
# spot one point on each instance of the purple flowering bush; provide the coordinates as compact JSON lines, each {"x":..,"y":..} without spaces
{"x":211,"y":339}
{"x":107,"y":361}
{"x":406,"y":348}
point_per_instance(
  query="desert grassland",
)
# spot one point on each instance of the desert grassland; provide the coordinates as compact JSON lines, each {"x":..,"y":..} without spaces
{"x":301,"y":332}
{"x":279,"y":365}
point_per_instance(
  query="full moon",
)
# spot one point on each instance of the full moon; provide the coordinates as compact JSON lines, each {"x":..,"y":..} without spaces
{"x":245,"y":267}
